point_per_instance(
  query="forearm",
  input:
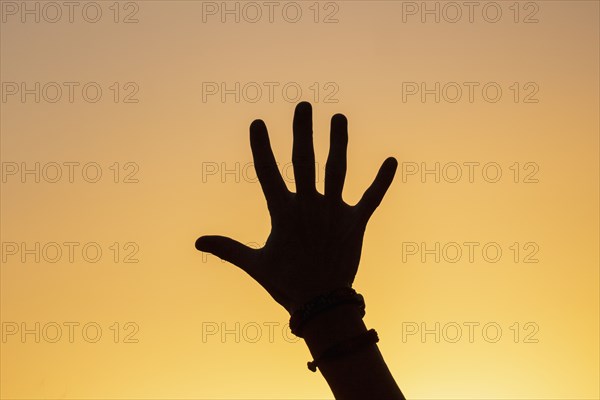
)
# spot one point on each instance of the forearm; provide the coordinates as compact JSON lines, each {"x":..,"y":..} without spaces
{"x":360,"y":374}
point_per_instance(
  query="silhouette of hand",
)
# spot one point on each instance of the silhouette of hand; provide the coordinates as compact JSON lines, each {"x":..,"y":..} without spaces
{"x":315,"y":242}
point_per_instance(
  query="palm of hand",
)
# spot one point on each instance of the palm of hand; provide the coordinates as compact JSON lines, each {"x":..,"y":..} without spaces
{"x":315,"y":242}
{"x":314,"y":247}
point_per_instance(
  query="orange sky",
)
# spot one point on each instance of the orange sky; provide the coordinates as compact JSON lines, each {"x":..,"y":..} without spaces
{"x":124,"y":139}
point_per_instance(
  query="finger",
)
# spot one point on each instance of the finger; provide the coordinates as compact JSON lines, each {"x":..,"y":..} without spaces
{"x":303,"y":155}
{"x":269,"y":177}
{"x":228,"y":250}
{"x":374,"y":194}
{"x":335,"y":169}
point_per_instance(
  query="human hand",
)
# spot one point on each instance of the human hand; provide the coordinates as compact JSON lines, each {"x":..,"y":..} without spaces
{"x":316,"y":240}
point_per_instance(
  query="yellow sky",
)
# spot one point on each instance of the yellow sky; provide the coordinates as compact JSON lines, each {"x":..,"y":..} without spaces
{"x":124,"y":139}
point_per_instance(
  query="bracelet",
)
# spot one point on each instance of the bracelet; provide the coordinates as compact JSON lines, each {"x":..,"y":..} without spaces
{"x":322,"y":303}
{"x":345,"y":347}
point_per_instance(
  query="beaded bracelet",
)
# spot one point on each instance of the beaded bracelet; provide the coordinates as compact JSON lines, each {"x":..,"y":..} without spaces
{"x":345,"y":347}
{"x":322,"y":303}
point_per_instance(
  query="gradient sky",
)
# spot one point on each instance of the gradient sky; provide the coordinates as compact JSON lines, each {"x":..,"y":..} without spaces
{"x":174,"y":158}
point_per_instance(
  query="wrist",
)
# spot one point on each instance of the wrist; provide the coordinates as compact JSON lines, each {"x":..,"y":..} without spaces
{"x":322,"y":303}
{"x":333,"y":326}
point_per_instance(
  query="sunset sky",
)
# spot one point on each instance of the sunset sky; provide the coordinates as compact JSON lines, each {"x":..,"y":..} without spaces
{"x":124,"y":137}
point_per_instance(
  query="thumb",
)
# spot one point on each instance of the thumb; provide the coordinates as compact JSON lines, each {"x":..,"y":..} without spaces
{"x":227,"y":249}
